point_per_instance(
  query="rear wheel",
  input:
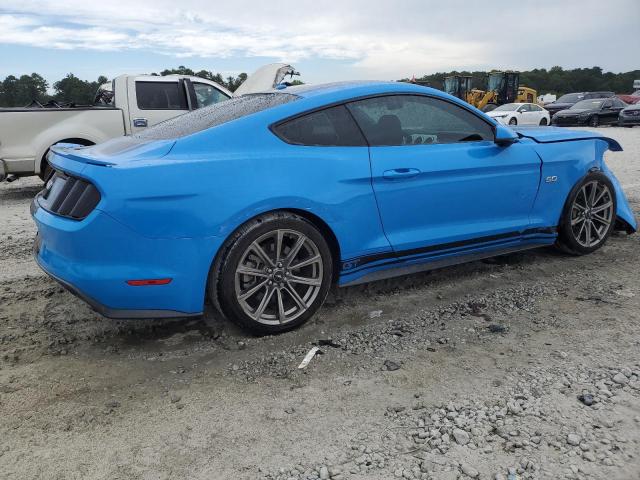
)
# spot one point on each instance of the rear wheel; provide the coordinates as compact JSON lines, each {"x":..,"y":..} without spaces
{"x":275,"y":275}
{"x":589,"y":215}
{"x":513,"y":121}
{"x":594,"y":121}
{"x":543,"y":122}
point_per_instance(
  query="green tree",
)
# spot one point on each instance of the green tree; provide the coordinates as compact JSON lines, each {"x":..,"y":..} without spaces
{"x":73,"y":90}
{"x":20,"y":92}
{"x":231,"y":82}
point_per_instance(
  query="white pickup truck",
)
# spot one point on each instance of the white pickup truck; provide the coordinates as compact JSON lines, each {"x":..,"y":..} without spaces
{"x":125,"y":106}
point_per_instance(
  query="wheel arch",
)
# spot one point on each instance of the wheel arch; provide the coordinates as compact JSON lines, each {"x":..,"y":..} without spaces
{"x":318,"y":222}
{"x":77,"y":140}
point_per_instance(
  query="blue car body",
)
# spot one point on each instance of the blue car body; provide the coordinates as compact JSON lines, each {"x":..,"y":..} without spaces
{"x":166,"y":206}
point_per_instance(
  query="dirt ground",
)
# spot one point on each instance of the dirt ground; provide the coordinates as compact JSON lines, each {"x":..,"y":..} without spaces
{"x":473,"y":371}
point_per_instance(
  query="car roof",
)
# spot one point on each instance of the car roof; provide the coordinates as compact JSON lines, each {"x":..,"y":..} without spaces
{"x":358,"y":88}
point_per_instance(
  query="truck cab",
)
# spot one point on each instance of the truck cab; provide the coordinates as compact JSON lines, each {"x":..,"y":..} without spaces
{"x":148,"y":100}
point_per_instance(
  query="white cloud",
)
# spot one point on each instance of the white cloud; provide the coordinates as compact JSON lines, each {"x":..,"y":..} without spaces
{"x":378,"y":39}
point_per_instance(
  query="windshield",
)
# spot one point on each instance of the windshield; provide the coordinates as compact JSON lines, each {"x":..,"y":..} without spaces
{"x":496,"y":82}
{"x":587,"y":105}
{"x":215,"y":115}
{"x":507,"y":107}
{"x":570,"y":98}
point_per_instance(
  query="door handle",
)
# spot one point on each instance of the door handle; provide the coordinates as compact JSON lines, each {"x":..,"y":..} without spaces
{"x":400,"y":173}
{"x":139,"y":122}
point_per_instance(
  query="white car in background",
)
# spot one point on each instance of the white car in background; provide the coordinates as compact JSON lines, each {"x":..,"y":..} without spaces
{"x":521,"y":114}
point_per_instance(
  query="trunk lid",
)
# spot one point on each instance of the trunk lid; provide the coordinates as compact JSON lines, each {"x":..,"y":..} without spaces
{"x":266,"y":78}
{"x":114,"y":152}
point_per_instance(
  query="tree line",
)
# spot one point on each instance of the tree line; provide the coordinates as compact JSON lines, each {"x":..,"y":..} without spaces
{"x":556,"y":80}
{"x":26,"y":89}
{"x":22,"y":91}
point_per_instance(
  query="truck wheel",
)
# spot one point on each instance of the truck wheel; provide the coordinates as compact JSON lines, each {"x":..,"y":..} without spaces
{"x":45,"y":171}
{"x":45,"y":168}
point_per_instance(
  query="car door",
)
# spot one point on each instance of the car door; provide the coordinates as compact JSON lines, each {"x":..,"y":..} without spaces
{"x":153,"y":101}
{"x":613,"y":111}
{"x":439,"y":177}
{"x":522,"y":115}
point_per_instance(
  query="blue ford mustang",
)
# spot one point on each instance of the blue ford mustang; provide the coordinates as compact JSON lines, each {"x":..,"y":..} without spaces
{"x":262,"y":202}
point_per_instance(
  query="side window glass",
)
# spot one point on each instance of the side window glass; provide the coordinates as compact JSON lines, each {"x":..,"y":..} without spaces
{"x":415,"y":120}
{"x":207,"y":95}
{"x":161,"y":96}
{"x":329,"y":127}
{"x":608,"y":104}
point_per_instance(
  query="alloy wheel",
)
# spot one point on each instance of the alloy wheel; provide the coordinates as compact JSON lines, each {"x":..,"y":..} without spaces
{"x":278,"y":277}
{"x":592,"y":213}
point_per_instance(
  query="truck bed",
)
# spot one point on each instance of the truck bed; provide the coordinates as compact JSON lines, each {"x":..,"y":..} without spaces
{"x":27,"y":133}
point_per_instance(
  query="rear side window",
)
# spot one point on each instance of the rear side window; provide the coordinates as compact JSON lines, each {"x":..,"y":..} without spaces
{"x":161,"y":96}
{"x":329,"y":127}
{"x":214,"y":115}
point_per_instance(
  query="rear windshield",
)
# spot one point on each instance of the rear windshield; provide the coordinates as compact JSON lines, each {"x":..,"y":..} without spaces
{"x":570,"y":98}
{"x":215,"y":115}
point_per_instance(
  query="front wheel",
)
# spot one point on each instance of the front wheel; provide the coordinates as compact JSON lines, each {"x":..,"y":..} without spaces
{"x":513,"y":121}
{"x":594,"y":121}
{"x":588,"y":216}
{"x":275,"y":274}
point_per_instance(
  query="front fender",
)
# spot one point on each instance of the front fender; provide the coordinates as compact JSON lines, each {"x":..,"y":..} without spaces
{"x":623,"y":210}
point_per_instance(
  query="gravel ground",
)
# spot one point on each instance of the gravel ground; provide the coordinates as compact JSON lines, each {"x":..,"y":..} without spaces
{"x":525,"y":366}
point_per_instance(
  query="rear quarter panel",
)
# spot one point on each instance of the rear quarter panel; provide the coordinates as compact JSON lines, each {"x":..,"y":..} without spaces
{"x":212,"y":182}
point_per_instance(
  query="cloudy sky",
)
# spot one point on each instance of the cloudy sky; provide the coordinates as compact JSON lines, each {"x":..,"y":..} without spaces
{"x":325,"y":40}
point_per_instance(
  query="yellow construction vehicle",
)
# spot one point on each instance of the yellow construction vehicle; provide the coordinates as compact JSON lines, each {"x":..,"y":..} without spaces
{"x":503,"y":87}
{"x":458,"y":86}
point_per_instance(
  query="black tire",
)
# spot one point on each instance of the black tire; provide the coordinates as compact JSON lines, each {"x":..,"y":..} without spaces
{"x":225,"y":281}
{"x":570,"y":237}
{"x":45,"y":171}
{"x":594,"y":121}
{"x":513,"y":121}
{"x":543,"y":122}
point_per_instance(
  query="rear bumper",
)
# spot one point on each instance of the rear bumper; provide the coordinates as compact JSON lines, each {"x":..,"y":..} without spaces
{"x":95,"y":257}
{"x":103,"y":309}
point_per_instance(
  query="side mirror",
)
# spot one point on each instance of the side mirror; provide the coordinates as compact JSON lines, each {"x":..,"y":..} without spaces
{"x":505,"y":136}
